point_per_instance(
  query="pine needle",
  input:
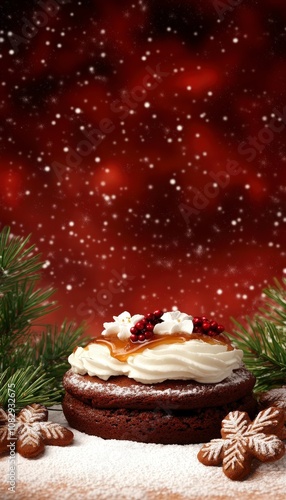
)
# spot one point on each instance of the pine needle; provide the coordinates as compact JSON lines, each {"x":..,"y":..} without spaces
{"x":263,"y":339}
{"x":29,"y":385}
{"x":33,"y":355}
{"x":17,"y":261}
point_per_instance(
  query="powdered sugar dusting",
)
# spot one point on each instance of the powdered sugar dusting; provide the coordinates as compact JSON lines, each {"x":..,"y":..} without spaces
{"x":274,"y":397}
{"x":112,"y":389}
{"x":108,"y":469}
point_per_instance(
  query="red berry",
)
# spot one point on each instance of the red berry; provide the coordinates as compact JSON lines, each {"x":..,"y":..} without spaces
{"x":133,"y":329}
{"x":141,"y":337}
{"x":149,"y":327}
{"x":211,"y":333}
{"x":220,"y":328}
{"x":133,"y":337}
{"x":158,"y":313}
{"x":213,"y":325}
{"x":197,"y":321}
{"x":148,"y":335}
{"x":139,"y":325}
{"x":150,"y":316}
{"x":206,"y":326}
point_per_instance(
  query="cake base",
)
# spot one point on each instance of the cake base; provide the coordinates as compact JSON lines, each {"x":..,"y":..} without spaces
{"x":123,"y":392}
{"x":152,"y":426}
{"x":170,"y":412}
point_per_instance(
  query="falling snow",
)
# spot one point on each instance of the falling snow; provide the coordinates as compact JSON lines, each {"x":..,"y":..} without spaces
{"x":137,"y":149}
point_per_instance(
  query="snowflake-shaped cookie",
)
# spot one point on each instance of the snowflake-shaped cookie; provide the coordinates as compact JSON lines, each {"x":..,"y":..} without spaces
{"x":242,"y":440}
{"x":31,"y":431}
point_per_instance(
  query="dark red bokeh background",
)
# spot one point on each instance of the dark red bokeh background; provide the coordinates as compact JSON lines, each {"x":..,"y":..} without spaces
{"x":179,"y":202}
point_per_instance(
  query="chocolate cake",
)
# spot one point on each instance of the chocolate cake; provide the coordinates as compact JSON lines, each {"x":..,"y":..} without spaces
{"x":157,"y":389}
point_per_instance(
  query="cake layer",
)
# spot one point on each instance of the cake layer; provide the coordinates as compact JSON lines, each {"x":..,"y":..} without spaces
{"x":163,"y":426}
{"x":125,"y":393}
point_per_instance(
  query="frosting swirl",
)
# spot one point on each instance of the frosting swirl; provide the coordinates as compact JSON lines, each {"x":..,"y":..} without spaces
{"x":120,"y":327}
{"x":175,"y":351}
{"x":191,"y":360}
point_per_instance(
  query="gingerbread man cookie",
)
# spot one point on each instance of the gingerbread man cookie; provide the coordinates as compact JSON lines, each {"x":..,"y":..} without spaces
{"x":242,"y":440}
{"x":32,"y":431}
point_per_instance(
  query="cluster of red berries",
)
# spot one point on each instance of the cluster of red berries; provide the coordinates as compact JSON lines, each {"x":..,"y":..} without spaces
{"x":206,"y":326}
{"x":143,"y":329}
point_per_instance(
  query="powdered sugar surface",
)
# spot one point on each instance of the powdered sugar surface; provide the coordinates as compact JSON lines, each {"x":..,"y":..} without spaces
{"x":113,"y":389}
{"x":108,"y":469}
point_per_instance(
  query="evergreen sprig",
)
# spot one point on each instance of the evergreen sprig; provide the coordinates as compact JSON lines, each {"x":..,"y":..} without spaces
{"x":17,"y":261}
{"x":19,"y":307}
{"x":263,"y":339}
{"x":274,"y":306}
{"x":50,"y":349}
{"x":33,"y":355}
{"x":29,"y":385}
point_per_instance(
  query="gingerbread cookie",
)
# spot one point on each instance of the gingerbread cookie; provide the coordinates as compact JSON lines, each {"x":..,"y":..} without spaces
{"x":243,"y":440}
{"x":276,"y":398}
{"x":32,"y":431}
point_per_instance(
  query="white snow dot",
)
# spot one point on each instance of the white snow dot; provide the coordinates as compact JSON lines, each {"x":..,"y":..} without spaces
{"x":219,"y":291}
{"x":179,"y":127}
{"x":235,"y":40}
{"x":78,"y":111}
{"x":146,"y":104}
{"x":69,"y":287}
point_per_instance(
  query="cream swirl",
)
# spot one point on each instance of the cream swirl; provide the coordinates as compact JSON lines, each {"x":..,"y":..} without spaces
{"x":120,"y":327}
{"x":192,"y":360}
{"x":174,"y":322}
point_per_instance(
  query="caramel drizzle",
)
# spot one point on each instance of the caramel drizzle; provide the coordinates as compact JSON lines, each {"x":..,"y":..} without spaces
{"x":122,"y":349}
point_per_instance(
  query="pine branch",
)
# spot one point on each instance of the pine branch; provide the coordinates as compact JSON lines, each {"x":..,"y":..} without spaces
{"x":33,"y":356}
{"x":54,"y":346}
{"x":263,"y":340}
{"x":50,"y":351}
{"x":30,"y":385}
{"x":17,"y":261}
{"x":21,"y":305}
{"x":274,"y":307}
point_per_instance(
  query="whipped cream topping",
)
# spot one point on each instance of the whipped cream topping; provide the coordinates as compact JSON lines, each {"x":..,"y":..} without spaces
{"x":121,"y":325}
{"x":174,"y":322}
{"x":192,"y":360}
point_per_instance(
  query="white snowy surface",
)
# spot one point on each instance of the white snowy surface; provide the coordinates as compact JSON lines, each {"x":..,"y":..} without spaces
{"x":93,"y":468}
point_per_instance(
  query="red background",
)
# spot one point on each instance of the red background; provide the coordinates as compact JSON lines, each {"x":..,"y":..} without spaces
{"x":117,"y":210}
